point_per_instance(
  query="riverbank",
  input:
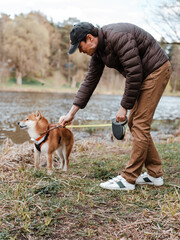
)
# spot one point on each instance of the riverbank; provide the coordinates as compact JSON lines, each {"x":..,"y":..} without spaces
{"x":63,"y":90}
{"x":71,"y":205}
{"x":49,"y":88}
{"x":38,"y":89}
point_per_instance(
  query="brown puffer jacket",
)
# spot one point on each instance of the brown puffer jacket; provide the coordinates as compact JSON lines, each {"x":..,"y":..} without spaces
{"x":130,"y":50}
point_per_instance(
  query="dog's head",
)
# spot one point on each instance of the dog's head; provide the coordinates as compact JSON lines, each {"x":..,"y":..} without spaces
{"x":33,"y":120}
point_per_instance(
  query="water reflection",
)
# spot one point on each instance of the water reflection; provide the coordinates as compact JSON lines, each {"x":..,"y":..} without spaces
{"x":16,"y":106}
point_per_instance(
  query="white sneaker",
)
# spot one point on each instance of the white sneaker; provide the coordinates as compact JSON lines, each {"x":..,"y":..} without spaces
{"x":145,"y":178}
{"x":118,"y":183}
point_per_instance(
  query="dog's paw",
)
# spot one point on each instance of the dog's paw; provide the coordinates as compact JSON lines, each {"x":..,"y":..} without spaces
{"x":59,"y":167}
{"x":64,"y":169}
{"x":49,"y":172}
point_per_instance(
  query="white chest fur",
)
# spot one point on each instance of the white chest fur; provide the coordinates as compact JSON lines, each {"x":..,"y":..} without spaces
{"x":45,"y":147}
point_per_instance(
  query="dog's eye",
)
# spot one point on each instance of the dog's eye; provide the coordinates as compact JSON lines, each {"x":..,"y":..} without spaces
{"x":27,"y":119}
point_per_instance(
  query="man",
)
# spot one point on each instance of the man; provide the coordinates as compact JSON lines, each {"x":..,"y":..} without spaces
{"x":139,"y":58}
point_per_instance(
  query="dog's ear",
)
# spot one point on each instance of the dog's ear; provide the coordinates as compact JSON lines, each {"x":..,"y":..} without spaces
{"x":38,"y":115}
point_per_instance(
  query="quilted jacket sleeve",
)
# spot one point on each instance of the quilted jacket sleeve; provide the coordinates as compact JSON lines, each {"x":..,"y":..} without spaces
{"x":125,"y":47}
{"x":89,"y":84}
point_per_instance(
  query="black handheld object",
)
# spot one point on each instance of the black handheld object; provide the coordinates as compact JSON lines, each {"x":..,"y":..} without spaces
{"x":119,"y":128}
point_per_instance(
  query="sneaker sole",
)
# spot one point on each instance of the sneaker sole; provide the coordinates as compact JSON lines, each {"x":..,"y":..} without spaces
{"x":124,"y":189}
{"x":146,"y":183}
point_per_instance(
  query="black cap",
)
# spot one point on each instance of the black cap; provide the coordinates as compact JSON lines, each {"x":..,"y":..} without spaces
{"x":78,"y":32}
{"x":119,"y":129}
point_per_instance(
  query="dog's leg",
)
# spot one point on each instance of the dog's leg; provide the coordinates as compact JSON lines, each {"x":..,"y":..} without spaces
{"x":49,"y":163}
{"x":66,"y":151}
{"x":61,"y":157}
{"x":36,"y":158}
{"x":66,"y":162}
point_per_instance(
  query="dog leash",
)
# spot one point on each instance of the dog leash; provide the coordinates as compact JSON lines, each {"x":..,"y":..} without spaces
{"x":77,"y":126}
{"x":92,"y":125}
{"x":50,"y":129}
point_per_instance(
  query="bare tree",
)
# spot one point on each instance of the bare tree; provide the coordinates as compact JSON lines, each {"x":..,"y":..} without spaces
{"x":26,"y":47}
{"x":175,"y":61}
{"x":4,"y":18}
{"x":66,"y":61}
{"x":166,"y":17}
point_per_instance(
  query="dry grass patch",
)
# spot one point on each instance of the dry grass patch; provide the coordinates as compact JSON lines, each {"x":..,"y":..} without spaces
{"x":71,"y":205}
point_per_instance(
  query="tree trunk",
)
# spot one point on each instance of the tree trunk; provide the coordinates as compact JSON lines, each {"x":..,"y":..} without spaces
{"x":174,"y":87}
{"x":73,"y":84}
{"x":69,"y":69}
{"x":19,"y":78}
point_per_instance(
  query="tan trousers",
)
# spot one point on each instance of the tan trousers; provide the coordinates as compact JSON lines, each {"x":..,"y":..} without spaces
{"x":139,"y":122}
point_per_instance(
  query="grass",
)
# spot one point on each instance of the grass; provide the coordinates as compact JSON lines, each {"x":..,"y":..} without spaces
{"x":58,"y":83}
{"x":71,"y":205}
{"x":37,"y":85}
{"x":25,"y":81}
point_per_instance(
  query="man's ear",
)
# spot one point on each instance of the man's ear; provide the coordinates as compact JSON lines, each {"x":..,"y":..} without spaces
{"x":38,"y":115}
{"x":90,"y":37}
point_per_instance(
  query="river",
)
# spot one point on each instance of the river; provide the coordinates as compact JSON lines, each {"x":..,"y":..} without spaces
{"x":15,"y":106}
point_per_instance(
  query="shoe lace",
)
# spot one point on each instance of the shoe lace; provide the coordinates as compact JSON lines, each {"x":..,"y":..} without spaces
{"x":144,"y":174}
{"x":115,"y":179}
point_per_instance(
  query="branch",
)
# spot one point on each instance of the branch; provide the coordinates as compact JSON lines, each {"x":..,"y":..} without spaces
{"x":172,"y":43}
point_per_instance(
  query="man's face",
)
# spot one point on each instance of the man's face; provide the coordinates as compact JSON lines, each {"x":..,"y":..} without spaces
{"x":90,"y":46}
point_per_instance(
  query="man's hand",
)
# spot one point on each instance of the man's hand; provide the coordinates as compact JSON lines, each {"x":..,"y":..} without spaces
{"x":66,"y":120}
{"x":121,"y":114}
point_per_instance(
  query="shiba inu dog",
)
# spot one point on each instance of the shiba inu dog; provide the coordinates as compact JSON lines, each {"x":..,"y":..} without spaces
{"x":48,"y":139}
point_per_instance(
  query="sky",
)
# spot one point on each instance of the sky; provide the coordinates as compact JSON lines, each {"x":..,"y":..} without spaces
{"x":98,"y":12}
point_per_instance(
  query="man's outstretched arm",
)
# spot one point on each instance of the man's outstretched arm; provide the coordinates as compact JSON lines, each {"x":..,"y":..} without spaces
{"x":66,"y":120}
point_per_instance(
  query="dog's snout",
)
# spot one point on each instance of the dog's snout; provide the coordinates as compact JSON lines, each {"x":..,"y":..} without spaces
{"x":18,"y":123}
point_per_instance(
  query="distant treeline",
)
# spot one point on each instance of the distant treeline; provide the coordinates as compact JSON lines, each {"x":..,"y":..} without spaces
{"x":32,"y":46}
